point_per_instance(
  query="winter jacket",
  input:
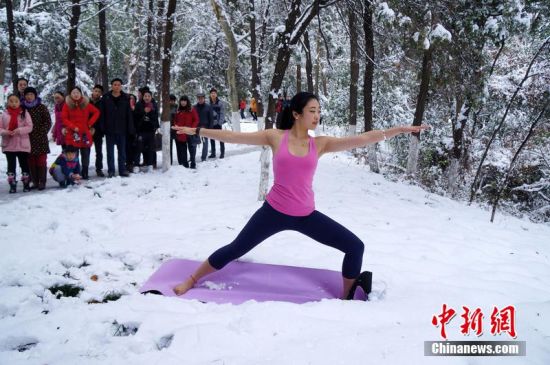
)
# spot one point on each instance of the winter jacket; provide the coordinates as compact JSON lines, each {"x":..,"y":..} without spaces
{"x":97,"y":126}
{"x":253,"y":105}
{"x":19,"y":142}
{"x":82,"y":116}
{"x":68,"y":167}
{"x":186,"y":119}
{"x":146,"y":122}
{"x":41,"y":124}
{"x":57,"y":130}
{"x":218,"y":112}
{"x":206,"y":117}
{"x":242,"y":105}
{"x":116,"y":115}
{"x":279,"y":106}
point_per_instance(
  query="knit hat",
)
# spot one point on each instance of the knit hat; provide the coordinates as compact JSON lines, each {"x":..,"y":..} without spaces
{"x":200,"y":94}
{"x":70,"y":148}
{"x":30,"y":90}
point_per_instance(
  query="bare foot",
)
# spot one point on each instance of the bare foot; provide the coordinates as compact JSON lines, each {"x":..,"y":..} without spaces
{"x":183,"y":287}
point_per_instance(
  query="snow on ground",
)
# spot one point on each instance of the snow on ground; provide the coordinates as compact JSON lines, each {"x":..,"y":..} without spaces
{"x":424,"y":250}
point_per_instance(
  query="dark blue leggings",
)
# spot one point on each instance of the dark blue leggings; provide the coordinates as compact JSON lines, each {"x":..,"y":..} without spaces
{"x":268,"y":221}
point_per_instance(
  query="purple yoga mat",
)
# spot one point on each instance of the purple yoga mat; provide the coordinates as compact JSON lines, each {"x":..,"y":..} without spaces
{"x":241,"y":281}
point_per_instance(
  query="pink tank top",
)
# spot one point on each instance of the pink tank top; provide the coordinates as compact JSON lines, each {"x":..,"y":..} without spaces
{"x":292,"y":191}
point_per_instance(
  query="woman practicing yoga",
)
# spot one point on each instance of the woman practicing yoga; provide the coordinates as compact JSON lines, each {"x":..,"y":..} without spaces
{"x":290,"y":203}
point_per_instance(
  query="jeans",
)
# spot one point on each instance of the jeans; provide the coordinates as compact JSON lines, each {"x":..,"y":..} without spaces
{"x":120,"y":141}
{"x":204,"y":153}
{"x":23,"y":158}
{"x":146,"y":145}
{"x":213,"y":144}
{"x":182,"y":148}
{"x":98,"y":144}
{"x":84,"y":160}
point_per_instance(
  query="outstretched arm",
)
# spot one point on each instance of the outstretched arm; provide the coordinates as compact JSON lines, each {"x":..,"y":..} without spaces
{"x":260,"y":138}
{"x":335,"y":144}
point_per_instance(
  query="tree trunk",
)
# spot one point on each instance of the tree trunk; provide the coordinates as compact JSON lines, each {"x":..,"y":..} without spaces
{"x":3,"y":60}
{"x":13,"y":47}
{"x":458,"y":125}
{"x":354,"y":69}
{"x":221,"y":16}
{"x":299,"y":75}
{"x":133,"y":62}
{"x":419,"y":113}
{"x":256,"y":54}
{"x":285,"y":41}
{"x":309,"y":63}
{"x":317,"y":68}
{"x":166,"y":61}
{"x":519,"y":87}
{"x":148,"y":46}
{"x":295,"y":25}
{"x":103,"y":65}
{"x":71,"y":53}
{"x":514,"y":159}
{"x":158,"y":51}
{"x":368,"y":83}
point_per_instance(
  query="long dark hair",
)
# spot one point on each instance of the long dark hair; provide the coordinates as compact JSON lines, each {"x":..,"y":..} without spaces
{"x":297,"y":104}
{"x":187,"y":107}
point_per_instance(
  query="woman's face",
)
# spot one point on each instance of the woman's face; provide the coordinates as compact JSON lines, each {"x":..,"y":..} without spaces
{"x":22,"y":85}
{"x":30,"y":97}
{"x":13,"y":102}
{"x":147,"y":97}
{"x":76,"y":94}
{"x":183,"y":103}
{"x":311,"y":115}
{"x":58,"y":98}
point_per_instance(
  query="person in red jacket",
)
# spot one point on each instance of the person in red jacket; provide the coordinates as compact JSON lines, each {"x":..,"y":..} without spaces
{"x":242,"y":107}
{"x":78,"y":116}
{"x":186,"y":116}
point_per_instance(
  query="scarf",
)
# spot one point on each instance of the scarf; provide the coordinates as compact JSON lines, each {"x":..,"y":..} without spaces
{"x":59,"y":107}
{"x":150,"y":106}
{"x":32,"y":104}
{"x":14,"y":114}
{"x":77,"y":102}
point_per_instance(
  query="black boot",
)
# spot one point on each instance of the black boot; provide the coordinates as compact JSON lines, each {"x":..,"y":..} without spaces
{"x":26,"y":180}
{"x":42,"y":174}
{"x":34,"y":176}
{"x":364,"y":281}
{"x":13,"y":183}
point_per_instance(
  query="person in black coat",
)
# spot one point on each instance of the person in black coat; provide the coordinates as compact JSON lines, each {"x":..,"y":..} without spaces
{"x":117,"y":122}
{"x":206,"y":120}
{"x":219,"y":120}
{"x":146,"y":118}
{"x":97,"y":132}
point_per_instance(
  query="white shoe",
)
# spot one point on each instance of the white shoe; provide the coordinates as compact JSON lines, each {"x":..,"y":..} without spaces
{"x":135,"y":169}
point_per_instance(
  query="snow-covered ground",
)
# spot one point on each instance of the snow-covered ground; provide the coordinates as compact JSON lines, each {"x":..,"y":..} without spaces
{"x":424,"y":250}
